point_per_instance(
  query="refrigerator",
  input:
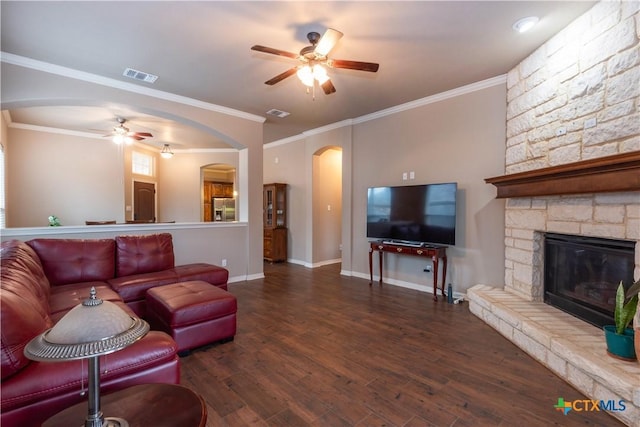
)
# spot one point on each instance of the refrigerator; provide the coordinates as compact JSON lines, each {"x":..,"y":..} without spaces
{"x":223,"y":209}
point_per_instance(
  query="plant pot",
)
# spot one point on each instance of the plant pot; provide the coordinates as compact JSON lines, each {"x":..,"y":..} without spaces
{"x":636,"y":326}
{"x":620,"y":346}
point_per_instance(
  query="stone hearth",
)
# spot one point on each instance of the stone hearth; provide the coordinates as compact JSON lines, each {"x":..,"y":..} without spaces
{"x":574,"y":350}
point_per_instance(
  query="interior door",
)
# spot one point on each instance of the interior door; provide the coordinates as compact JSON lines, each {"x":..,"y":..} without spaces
{"x":144,"y":201}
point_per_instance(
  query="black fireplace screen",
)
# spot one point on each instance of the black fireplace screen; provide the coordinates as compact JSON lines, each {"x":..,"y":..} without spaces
{"x":581,"y":274}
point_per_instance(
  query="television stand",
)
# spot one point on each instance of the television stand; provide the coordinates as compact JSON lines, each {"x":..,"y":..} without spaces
{"x":436,"y":253}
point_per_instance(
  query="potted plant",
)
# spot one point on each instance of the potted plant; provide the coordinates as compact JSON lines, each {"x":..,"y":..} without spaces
{"x":620,"y":337}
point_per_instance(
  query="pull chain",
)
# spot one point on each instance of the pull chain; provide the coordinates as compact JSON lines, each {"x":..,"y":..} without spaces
{"x":82,"y":390}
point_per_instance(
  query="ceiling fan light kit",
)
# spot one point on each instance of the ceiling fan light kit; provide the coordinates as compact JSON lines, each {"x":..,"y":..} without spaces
{"x":314,"y":61}
{"x":122,"y":134}
{"x":166,"y":152}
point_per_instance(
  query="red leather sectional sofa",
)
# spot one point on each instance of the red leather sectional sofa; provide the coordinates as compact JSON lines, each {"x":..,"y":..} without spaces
{"x":42,"y":279}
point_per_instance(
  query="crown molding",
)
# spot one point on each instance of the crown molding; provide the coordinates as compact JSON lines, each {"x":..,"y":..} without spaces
{"x":463,"y":90}
{"x":46,"y":67}
{"x":284,"y":141}
{"x":59,"y":131}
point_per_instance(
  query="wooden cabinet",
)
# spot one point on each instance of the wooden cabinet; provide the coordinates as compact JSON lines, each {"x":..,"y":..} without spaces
{"x":274,"y":208}
{"x":212,"y":189}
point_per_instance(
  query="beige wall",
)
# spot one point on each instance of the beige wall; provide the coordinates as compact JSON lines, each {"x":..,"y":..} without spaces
{"x":283,"y":163}
{"x":459,"y":136}
{"x":74,"y":178}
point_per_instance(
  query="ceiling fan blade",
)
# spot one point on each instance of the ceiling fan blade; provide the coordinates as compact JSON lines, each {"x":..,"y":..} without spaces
{"x":145,"y":134}
{"x":328,"y":87}
{"x":273,"y":51}
{"x":281,"y":76}
{"x":327,"y":42}
{"x":136,"y":137}
{"x":353,"y":65}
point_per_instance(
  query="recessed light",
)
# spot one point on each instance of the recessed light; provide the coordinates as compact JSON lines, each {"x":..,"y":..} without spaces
{"x":525,"y":24}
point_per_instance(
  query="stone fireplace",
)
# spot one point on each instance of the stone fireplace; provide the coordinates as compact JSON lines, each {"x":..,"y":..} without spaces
{"x":582,"y":273}
{"x":572,"y":166}
{"x":573,"y":349}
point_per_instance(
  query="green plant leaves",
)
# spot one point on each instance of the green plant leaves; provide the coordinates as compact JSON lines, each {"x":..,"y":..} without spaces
{"x":624,"y":313}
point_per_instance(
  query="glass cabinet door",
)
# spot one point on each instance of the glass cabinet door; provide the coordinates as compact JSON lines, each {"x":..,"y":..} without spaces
{"x":280,"y":208}
{"x":268,"y":207}
{"x":275,"y":205}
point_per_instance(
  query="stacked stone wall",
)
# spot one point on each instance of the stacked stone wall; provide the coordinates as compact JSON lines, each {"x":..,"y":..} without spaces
{"x":589,"y":71}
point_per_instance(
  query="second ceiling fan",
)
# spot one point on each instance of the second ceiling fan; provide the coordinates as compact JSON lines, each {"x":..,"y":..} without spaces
{"x":313,"y":60}
{"x":121,"y":133}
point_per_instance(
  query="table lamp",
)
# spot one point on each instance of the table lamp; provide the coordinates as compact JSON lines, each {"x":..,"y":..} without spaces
{"x":88,"y":331}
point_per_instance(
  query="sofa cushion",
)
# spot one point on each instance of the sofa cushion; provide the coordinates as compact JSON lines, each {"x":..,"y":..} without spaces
{"x":143,"y":254}
{"x":75,"y":260}
{"x":134,"y":287}
{"x":20,"y":260}
{"x":206,"y":272}
{"x":17,"y":310}
{"x":64,"y":298}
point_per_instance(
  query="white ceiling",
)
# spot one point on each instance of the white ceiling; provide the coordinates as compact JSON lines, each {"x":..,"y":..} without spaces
{"x":201,"y":50}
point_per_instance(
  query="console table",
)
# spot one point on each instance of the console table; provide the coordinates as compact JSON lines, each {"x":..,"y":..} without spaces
{"x":436,"y":253}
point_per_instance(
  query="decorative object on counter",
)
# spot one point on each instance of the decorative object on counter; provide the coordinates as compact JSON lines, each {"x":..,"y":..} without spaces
{"x":91,"y":329}
{"x":620,"y":337}
{"x":54,"y":221}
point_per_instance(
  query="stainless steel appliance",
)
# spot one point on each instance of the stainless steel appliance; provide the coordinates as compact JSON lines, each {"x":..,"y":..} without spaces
{"x":224,"y":209}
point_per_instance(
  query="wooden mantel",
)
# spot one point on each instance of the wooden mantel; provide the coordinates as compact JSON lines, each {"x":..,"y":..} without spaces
{"x":620,"y":172}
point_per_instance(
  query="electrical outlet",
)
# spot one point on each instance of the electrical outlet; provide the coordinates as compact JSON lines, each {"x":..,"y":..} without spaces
{"x":404,"y":176}
{"x":224,"y":262}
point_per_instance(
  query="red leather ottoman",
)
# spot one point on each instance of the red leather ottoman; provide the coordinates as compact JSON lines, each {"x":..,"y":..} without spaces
{"x":194,"y":313}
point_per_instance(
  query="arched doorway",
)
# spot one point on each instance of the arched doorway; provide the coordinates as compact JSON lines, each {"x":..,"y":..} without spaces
{"x":327,"y":205}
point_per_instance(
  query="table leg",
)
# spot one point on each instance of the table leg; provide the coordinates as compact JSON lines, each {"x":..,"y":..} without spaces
{"x":380,"y":259}
{"x":444,"y":272}
{"x":370,"y":266}
{"x":434,"y":260}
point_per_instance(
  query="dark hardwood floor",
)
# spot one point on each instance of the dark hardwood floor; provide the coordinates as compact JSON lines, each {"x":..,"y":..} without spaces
{"x":316,"y":348}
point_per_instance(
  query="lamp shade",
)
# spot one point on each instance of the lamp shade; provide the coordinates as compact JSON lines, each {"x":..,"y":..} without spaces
{"x":90,"y":329}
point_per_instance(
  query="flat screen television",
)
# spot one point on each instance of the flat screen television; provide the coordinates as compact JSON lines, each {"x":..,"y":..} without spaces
{"x":413,"y":213}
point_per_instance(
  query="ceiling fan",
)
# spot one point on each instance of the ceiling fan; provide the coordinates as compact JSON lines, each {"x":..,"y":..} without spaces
{"x":313,"y":58}
{"x":121,"y":133}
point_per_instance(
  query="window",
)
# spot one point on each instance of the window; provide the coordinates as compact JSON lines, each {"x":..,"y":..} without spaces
{"x":141,"y":164}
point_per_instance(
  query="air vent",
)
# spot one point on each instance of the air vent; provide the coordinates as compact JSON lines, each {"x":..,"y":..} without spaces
{"x":139,"y":75}
{"x":277,"y":113}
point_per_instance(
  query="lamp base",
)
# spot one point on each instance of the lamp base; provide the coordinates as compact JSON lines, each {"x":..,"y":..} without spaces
{"x":113,"y":422}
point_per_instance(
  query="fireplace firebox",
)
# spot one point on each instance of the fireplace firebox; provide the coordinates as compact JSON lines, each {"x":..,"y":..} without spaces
{"x":581,"y":274}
